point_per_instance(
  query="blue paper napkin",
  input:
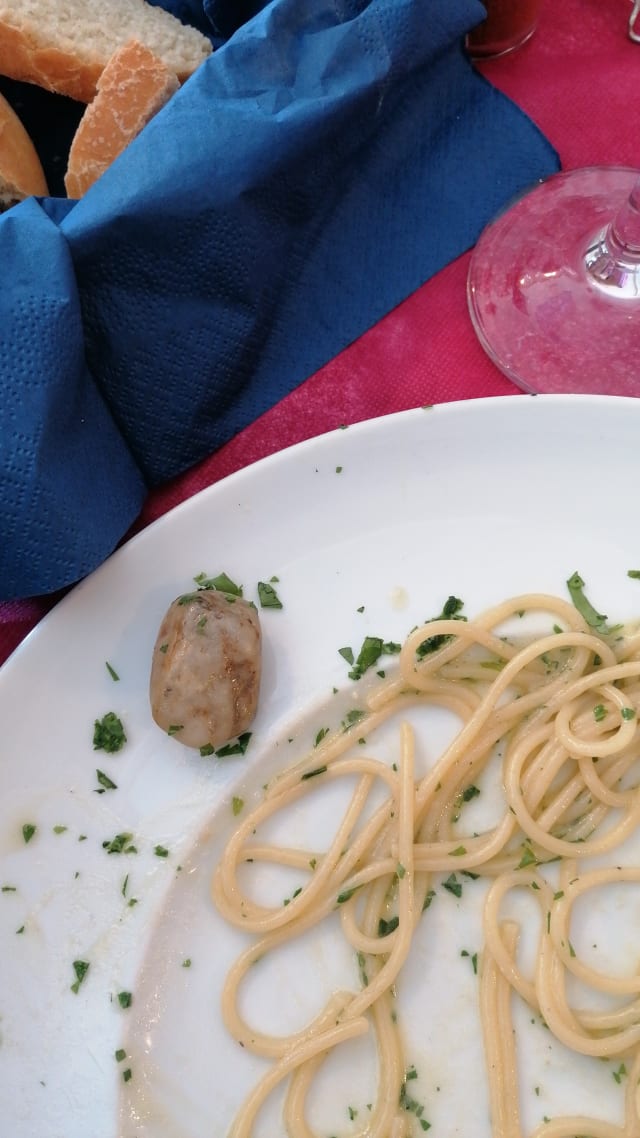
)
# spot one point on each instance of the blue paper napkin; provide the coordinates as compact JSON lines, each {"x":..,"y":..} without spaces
{"x":327,"y":159}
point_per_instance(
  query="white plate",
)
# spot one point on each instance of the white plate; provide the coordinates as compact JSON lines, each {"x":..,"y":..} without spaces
{"x":368,"y":530}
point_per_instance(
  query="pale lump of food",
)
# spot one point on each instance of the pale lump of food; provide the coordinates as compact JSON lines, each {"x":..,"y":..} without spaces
{"x":205,"y":671}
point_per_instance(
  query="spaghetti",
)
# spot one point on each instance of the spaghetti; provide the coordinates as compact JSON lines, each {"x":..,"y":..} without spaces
{"x":559,"y":714}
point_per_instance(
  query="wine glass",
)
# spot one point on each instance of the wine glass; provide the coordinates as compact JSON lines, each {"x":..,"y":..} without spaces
{"x":554,"y":283}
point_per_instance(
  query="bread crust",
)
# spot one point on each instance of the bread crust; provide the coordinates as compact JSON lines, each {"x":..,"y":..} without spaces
{"x":21,"y":173}
{"x":21,"y":57}
{"x":133,"y":87}
{"x":72,"y":65}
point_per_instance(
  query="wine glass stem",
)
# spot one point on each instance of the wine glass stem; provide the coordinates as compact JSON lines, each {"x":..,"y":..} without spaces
{"x":626,"y":224}
{"x":612,"y":260}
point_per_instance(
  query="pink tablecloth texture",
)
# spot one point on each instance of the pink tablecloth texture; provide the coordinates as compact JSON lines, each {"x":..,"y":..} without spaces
{"x":577,"y":78}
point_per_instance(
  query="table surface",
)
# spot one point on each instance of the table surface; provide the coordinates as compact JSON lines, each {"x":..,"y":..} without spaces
{"x":577,"y":79}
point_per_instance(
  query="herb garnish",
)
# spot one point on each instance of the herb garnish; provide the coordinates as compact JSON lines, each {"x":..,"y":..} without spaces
{"x":106,"y":783}
{"x":528,"y":857}
{"x":235,"y":747}
{"x":596,"y":620}
{"x":451,"y":610}
{"x":108,"y":734}
{"x":473,"y":957}
{"x":222,"y":583}
{"x":352,"y":717}
{"x":386,"y":927}
{"x":80,"y":967}
{"x":28,"y":830}
{"x":268,"y":597}
{"x":452,"y":885}
{"x":112,"y":672}
{"x":125,"y":999}
{"x":313,"y":773}
{"x":122,"y":843}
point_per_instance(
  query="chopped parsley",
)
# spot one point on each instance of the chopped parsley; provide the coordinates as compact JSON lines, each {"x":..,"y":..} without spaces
{"x":28,"y":830}
{"x":122,"y":843}
{"x":120,"y":1055}
{"x":109,"y":734}
{"x":221,"y":583}
{"x":618,"y":1075}
{"x":473,"y":957}
{"x":235,"y":747}
{"x":385,"y":927}
{"x":469,"y":793}
{"x":80,"y":967}
{"x":161,"y":851}
{"x":352,"y":717}
{"x":267,"y":596}
{"x":372,"y":648}
{"x":408,"y":1103}
{"x":596,"y":620}
{"x":313,"y":773}
{"x":236,"y":805}
{"x":452,"y":885}
{"x":125,"y":999}
{"x":208,"y":749}
{"x":528,"y":857}
{"x":112,"y":672}
{"x":106,"y":783}
{"x":451,"y":610}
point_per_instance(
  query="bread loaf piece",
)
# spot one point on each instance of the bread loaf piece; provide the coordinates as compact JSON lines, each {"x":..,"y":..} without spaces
{"x":64,"y":45}
{"x":21,"y":173}
{"x":133,"y":87}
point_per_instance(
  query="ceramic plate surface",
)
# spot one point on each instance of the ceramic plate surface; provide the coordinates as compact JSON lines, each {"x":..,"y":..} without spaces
{"x":367,"y":530}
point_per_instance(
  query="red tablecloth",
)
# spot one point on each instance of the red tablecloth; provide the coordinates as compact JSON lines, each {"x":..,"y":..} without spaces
{"x":578,"y":79}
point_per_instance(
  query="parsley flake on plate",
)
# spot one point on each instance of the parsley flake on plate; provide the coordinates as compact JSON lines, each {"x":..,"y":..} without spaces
{"x":109,"y":734}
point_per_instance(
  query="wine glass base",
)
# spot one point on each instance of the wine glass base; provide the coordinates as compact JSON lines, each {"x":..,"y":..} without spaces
{"x":536,"y":311}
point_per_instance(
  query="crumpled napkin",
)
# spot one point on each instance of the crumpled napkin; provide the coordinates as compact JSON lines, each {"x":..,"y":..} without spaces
{"x":326,"y":160}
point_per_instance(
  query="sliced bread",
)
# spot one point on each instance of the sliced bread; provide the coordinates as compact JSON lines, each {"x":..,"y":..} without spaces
{"x":64,"y":45}
{"x":133,"y":87}
{"x":21,"y":173}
